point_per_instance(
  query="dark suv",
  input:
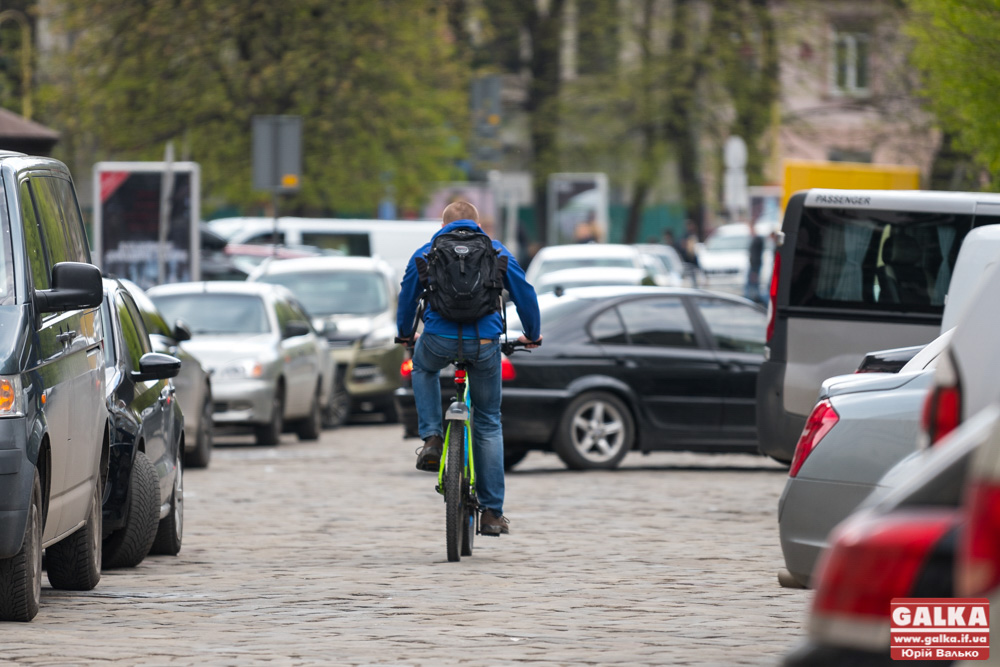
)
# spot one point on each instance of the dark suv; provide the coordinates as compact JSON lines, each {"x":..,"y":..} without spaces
{"x":53,"y":418}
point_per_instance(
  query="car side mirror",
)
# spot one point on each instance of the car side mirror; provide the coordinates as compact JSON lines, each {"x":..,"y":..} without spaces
{"x":75,"y":285}
{"x":181,"y":332}
{"x":156,"y":366}
{"x":296,"y":328}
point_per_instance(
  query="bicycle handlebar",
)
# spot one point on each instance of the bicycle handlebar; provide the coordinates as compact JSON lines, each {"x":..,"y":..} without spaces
{"x":512,"y":346}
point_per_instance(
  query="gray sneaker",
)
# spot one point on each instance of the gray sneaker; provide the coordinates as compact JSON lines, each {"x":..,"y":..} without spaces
{"x":493,"y":523}
{"x":429,"y":456}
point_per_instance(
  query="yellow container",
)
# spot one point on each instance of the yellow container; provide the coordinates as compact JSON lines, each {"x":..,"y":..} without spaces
{"x":805,"y":174}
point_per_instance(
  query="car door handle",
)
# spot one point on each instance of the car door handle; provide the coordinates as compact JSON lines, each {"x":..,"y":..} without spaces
{"x":66,"y":337}
{"x":626,"y":363}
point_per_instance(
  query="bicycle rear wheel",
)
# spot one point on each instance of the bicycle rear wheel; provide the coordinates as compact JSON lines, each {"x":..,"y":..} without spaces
{"x":454,"y":495}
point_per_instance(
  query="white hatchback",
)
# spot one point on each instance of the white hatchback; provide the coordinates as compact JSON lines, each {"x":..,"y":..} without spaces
{"x":583,"y":256}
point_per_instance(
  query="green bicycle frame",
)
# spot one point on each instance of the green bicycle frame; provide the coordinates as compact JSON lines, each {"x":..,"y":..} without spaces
{"x":470,"y":469}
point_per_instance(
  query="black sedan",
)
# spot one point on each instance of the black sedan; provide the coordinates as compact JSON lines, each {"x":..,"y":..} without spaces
{"x":143,"y":502}
{"x":624,"y":369}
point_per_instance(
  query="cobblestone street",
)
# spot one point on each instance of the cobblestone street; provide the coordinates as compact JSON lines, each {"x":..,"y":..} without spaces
{"x":334,"y":553}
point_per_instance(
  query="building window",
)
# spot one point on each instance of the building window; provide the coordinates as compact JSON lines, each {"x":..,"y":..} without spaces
{"x":849,"y":73}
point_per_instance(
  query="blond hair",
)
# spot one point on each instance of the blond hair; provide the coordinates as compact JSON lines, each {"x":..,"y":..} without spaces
{"x":460,"y":210}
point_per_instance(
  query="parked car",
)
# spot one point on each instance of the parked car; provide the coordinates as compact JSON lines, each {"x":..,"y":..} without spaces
{"x":862,"y":426}
{"x":143,"y":508}
{"x":264,"y":357}
{"x":194,"y":386}
{"x":673,"y":265}
{"x":878,"y":260}
{"x":54,"y":426}
{"x":352,"y":302}
{"x":622,"y":369}
{"x":558,"y":281}
{"x":580,"y":256}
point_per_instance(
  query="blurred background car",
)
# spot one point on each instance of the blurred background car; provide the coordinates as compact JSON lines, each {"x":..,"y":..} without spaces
{"x":246,"y":257}
{"x":264,"y":357}
{"x":193,"y":384}
{"x":580,"y":256}
{"x":143,"y":508}
{"x":594,"y":276}
{"x":672,"y":272}
{"x":724,"y":257}
{"x":862,"y":426}
{"x":352,"y":303}
{"x":622,"y":369}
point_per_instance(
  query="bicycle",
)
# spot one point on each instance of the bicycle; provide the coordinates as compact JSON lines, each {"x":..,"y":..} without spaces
{"x":457,"y":474}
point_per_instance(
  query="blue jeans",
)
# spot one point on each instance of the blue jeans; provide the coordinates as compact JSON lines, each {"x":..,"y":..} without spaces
{"x":434,"y":353}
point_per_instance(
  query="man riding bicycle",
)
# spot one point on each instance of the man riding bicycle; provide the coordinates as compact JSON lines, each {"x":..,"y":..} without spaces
{"x":478,"y":344}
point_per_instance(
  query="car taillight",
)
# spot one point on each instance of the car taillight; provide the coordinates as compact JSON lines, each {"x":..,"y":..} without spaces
{"x":507,"y":371}
{"x":822,"y":419}
{"x":772,"y":302}
{"x":406,"y":368}
{"x":871,"y":560}
{"x":943,"y":406}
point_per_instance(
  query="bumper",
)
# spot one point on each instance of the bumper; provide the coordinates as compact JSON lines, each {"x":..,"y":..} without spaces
{"x":777,"y":430}
{"x":369,"y":375}
{"x":808,"y":510}
{"x":242,"y":402}
{"x":17,"y":474}
{"x":529,"y":416}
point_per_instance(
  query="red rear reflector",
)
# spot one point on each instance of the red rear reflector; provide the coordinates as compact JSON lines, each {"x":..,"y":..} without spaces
{"x":873,"y":559}
{"x":941,"y":413}
{"x":822,"y":419}
{"x":772,"y":302}
{"x":507,"y":371}
{"x":406,"y":368}
{"x":978,"y":570}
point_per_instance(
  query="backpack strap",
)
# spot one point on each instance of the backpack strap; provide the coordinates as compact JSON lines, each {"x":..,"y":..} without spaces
{"x":422,"y":274}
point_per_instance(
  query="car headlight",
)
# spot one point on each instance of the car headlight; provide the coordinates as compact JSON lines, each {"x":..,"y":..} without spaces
{"x":10,"y":396}
{"x":239,"y":370}
{"x":381,"y":337}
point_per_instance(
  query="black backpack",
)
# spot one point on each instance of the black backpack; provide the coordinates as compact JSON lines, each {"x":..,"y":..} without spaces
{"x":462,"y":275}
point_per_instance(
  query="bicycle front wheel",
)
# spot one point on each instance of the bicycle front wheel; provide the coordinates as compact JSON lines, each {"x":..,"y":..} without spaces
{"x":454,"y":496}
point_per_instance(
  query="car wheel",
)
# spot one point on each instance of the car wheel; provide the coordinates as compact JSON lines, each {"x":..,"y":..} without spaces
{"x":270,"y":433}
{"x":21,"y":576}
{"x":74,"y":564}
{"x":202,"y":452}
{"x":511,"y":457}
{"x":339,"y":405}
{"x":128,"y":546}
{"x":311,"y":427}
{"x":170,"y":532}
{"x":596,"y":432}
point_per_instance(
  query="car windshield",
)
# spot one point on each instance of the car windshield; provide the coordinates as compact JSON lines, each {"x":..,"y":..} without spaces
{"x":552,"y":309}
{"x":550,"y":265}
{"x":335,"y":292}
{"x":735,"y":242}
{"x":208,"y":313}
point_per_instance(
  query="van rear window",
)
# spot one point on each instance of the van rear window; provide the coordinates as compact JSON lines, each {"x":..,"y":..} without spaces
{"x":876,"y":260}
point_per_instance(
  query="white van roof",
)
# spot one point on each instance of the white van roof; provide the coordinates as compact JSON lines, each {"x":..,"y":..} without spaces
{"x":979,"y":253}
{"x":905,"y":200}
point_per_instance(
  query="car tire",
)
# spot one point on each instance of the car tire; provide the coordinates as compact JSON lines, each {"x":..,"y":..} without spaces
{"x":269,"y":434}
{"x":200,"y":456}
{"x":74,"y":564}
{"x":311,"y":427}
{"x":128,"y":546}
{"x":339,"y":406}
{"x":170,"y":532}
{"x":511,"y":457}
{"x":21,"y":575}
{"x":595,"y":433}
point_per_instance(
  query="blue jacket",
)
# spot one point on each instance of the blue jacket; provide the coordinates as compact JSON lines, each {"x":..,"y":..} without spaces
{"x":489,"y":326}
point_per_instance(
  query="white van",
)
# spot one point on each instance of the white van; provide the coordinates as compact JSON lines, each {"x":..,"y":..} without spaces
{"x":857,"y":270}
{"x":394,"y":241}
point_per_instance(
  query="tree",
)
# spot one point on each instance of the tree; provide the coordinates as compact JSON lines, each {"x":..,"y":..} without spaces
{"x":382,"y":95}
{"x":957,"y":47}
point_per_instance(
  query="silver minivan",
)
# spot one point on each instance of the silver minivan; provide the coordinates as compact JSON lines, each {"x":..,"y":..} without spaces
{"x":856,"y":270}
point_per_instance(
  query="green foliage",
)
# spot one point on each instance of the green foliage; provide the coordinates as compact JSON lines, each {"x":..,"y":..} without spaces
{"x":383,"y":99}
{"x":957,"y":48}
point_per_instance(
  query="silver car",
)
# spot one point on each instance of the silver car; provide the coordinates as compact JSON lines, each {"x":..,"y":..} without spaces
{"x":264,"y":357}
{"x":863,"y":425}
{"x":194,"y":386}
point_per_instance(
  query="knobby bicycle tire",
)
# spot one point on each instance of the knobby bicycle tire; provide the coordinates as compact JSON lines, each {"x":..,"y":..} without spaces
{"x":454,"y":498}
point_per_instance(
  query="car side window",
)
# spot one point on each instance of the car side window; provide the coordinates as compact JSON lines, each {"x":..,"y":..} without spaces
{"x":132,"y":335}
{"x":265,"y":238}
{"x":285,"y":315}
{"x":37,"y":261}
{"x":61,"y":215}
{"x":658,"y":323}
{"x":51,"y":221}
{"x":607,"y":328}
{"x":299,"y":313}
{"x":110,"y":354}
{"x":735,"y":327}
